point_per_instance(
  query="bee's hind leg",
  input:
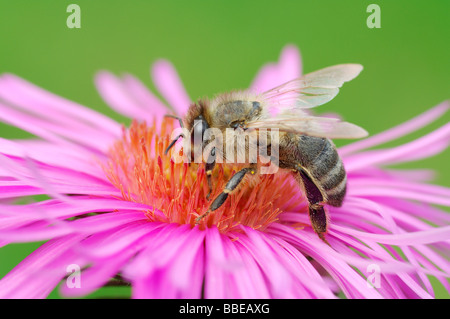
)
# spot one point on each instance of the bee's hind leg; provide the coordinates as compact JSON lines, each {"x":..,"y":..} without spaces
{"x":317,"y":214}
{"x":231,"y":185}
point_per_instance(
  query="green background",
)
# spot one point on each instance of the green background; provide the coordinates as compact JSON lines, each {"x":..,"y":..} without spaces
{"x":220,"y":45}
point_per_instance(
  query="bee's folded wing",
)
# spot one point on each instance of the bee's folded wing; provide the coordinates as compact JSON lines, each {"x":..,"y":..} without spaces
{"x":312,"y":126}
{"x":313,"y":89}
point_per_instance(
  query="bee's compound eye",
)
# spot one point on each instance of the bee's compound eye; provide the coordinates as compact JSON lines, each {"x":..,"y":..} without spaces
{"x":200,"y":127}
{"x":235,"y":124}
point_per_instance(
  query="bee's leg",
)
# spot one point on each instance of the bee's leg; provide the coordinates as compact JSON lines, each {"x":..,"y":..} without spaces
{"x":317,"y":214}
{"x":173,"y":143}
{"x":210,"y":163}
{"x":178,"y":137}
{"x":229,"y":187}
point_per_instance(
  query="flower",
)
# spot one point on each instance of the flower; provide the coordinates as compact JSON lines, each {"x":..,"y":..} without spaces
{"x":119,"y":208}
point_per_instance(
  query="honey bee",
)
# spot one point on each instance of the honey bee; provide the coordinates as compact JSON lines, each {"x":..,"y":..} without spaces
{"x":304,"y":145}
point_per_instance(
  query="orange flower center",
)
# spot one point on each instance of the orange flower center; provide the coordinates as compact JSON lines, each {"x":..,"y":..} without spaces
{"x":176,"y":192}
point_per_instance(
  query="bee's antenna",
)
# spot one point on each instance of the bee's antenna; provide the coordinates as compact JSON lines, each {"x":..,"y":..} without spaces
{"x":175,"y":117}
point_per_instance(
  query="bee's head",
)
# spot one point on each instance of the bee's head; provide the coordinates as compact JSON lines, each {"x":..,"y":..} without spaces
{"x":196,"y":124}
{"x":196,"y":120}
{"x":196,"y":112}
{"x":199,"y":126}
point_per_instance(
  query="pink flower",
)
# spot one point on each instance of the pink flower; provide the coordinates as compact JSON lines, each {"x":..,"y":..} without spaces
{"x":119,"y":206}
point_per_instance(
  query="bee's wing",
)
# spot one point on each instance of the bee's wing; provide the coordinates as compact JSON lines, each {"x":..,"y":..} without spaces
{"x":313,"y":89}
{"x":312,"y":126}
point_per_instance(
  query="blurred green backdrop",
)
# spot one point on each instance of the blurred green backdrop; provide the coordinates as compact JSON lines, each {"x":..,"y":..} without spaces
{"x":219,"y":45}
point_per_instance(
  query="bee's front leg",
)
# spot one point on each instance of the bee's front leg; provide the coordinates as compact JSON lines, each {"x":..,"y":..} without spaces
{"x":231,"y":185}
{"x":210,"y":163}
{"x":180,"y":120}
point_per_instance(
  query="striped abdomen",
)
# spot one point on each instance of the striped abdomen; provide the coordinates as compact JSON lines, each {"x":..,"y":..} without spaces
{"x":318,"y":156}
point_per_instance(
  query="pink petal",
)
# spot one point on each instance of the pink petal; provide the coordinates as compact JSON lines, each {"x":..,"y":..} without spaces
{"x":247,"y":281}
{"x":18,"y":189}
{"x":271,"y":75}
{"x":86,"y":226}
{"x":53,"y":155}
{"x":153,"y":277}
{"x":141,"y":266}
{"x":425,"y":146}
{"x":413,"y":238}
{"x":148,"y":101}
{"x":110,"y":264}
{"x":398,"y":131}
{"x":182,"y":268}
{"x":25,"y":275}
{"x":215,"y":261}
{"x":169,"y":84}
{"x":118,"y":239}
{"x":126,"y":96}
{"x":14,"y":216}
{"x":55,"y":184}
{"x":27,"y":95}
{"x":55,"y":133}
{"x":349,"y":281}
{"x":98,"y":275}
{"x":279,"y":279}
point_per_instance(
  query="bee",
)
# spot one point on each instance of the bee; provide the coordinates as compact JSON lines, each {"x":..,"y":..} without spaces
{"x":304,"y":145}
